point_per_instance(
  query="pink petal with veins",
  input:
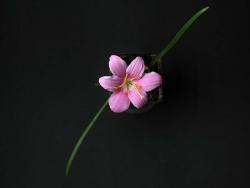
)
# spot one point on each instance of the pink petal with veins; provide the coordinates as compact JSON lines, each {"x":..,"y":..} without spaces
{"x":136,"y":68}
{"x":110,"y":82}
{"x":117,"y":66}
{"x":137,"y":96}
{"x":118,"y":101}
{"x":149,"y":81}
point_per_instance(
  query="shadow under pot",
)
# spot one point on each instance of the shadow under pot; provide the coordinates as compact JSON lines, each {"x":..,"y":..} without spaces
{"x":155,"y":96}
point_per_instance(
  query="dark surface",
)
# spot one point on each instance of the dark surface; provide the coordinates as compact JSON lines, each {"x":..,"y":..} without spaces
{"x":52,"y":53}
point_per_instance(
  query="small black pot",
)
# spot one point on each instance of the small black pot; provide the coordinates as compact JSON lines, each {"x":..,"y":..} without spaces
{"x":154,"y":96}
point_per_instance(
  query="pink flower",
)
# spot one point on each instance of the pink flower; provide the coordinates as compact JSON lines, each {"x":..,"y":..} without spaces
{"x":128,"y":83}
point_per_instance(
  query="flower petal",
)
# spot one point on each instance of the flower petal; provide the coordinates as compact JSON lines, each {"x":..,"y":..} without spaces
{"x":149,"y":81}
{"x":110,"y":82}
{"x":135,"y":68}
{"x":118,"y":101}
{"x":138,"y":97}
{"x":117,"y":66}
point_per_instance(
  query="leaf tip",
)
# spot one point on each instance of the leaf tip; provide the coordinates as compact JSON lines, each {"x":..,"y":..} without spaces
{"x":205,"y":9}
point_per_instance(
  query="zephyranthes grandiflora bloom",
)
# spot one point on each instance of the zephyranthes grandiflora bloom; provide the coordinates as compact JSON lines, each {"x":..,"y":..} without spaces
{"x":128,"y":83}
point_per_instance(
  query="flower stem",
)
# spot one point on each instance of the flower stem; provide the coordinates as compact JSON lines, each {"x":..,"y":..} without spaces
{"x":82,"y":137}
{"x":178,"y":35}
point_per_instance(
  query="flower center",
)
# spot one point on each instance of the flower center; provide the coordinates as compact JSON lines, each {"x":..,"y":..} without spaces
{"x":127,"y":83}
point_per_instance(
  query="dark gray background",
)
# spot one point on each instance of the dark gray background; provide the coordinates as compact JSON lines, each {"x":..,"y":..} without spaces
{"x":52,"y":53}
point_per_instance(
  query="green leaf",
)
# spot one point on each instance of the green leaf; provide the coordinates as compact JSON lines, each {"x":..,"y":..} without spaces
{"x":179,"y":34}
{"x":82,"y":137}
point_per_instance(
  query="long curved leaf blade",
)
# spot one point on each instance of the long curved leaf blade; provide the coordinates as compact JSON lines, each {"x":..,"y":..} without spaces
{"x":82,"y":137}
{"x":179,"y":34}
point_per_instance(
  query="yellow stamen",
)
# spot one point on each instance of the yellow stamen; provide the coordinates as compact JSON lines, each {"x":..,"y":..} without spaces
{"x":137,"y":89}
